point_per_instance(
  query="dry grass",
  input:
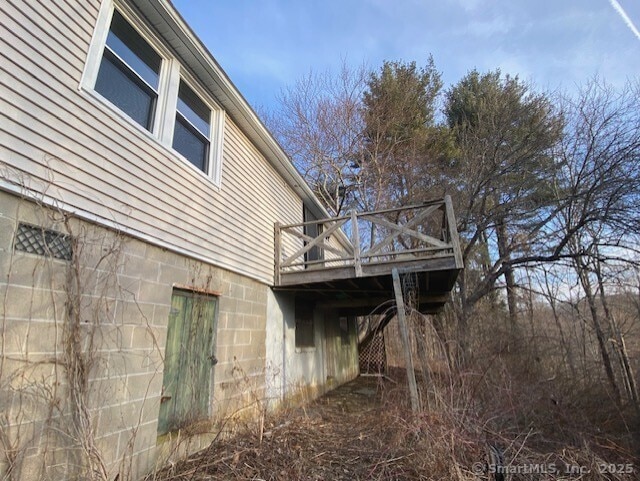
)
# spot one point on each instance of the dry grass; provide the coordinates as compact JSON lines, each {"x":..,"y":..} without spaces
{"x":365,"y":431}
{"x":515,"y":403}
{"x":343,"y":436}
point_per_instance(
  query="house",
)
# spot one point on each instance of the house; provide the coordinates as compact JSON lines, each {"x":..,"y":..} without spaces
{"x":141,"y":203}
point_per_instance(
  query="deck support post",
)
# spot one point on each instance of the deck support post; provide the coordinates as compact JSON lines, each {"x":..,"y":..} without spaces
{"x":406,"y":344}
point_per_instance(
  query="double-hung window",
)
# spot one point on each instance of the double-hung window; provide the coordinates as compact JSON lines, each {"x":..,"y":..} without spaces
{"x":135,"y":73}
{"x":129,"y":72}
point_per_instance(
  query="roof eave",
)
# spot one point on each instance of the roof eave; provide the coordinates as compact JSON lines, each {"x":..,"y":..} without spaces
{"x":164,"y":17}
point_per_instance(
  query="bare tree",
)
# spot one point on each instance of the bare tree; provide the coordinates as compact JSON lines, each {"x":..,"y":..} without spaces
{"x":320,"y":125}
{"x":598,"y":221}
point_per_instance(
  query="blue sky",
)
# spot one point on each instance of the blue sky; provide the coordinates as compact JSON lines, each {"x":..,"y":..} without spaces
{"x":265,"y":45}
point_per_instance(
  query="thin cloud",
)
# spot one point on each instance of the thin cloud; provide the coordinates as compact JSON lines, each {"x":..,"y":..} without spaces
{"x":618,"y":8}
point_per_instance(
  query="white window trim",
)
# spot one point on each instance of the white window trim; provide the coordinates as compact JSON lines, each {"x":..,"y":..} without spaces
{"x":168,"y":102}
{"x":171,"y":71}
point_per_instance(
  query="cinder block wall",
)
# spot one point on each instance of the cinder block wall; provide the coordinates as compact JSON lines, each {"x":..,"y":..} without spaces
{"x":119,"y":290}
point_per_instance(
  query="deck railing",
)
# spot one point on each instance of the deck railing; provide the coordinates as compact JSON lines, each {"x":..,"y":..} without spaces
{"x":393,"y":236}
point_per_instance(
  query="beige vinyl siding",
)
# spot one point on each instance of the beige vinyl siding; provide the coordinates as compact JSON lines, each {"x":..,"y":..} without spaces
{"x":102,"y":164}
{"x":333,"y":241}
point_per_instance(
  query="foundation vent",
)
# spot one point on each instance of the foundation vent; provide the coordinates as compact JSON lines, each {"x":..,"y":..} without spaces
{"x":44,"y":242}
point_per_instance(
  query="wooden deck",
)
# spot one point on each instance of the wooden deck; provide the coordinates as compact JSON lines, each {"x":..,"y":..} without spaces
{"x":346,"y":262}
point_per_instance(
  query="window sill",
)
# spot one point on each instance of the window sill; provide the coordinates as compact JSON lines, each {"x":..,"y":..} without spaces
{"x":300,"y":350}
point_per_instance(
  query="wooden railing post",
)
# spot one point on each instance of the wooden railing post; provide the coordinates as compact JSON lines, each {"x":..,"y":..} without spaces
{"x":445,"y":227}
{"x":277,"y":252}
{"x":355,"y":240}
{"x":453,"y":232}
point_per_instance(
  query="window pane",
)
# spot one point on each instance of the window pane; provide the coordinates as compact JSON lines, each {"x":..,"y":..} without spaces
{"x":304,"y":323}
{"x":123,"y":91}
{"x":344,"y":330}
{"x":194,"y":109}
{"x":312,"y":230}
{"x":134,"y":50}
{"x":189,"y":144}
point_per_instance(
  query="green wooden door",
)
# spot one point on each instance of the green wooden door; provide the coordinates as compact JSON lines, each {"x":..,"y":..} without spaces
{"x":186,"y":386}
